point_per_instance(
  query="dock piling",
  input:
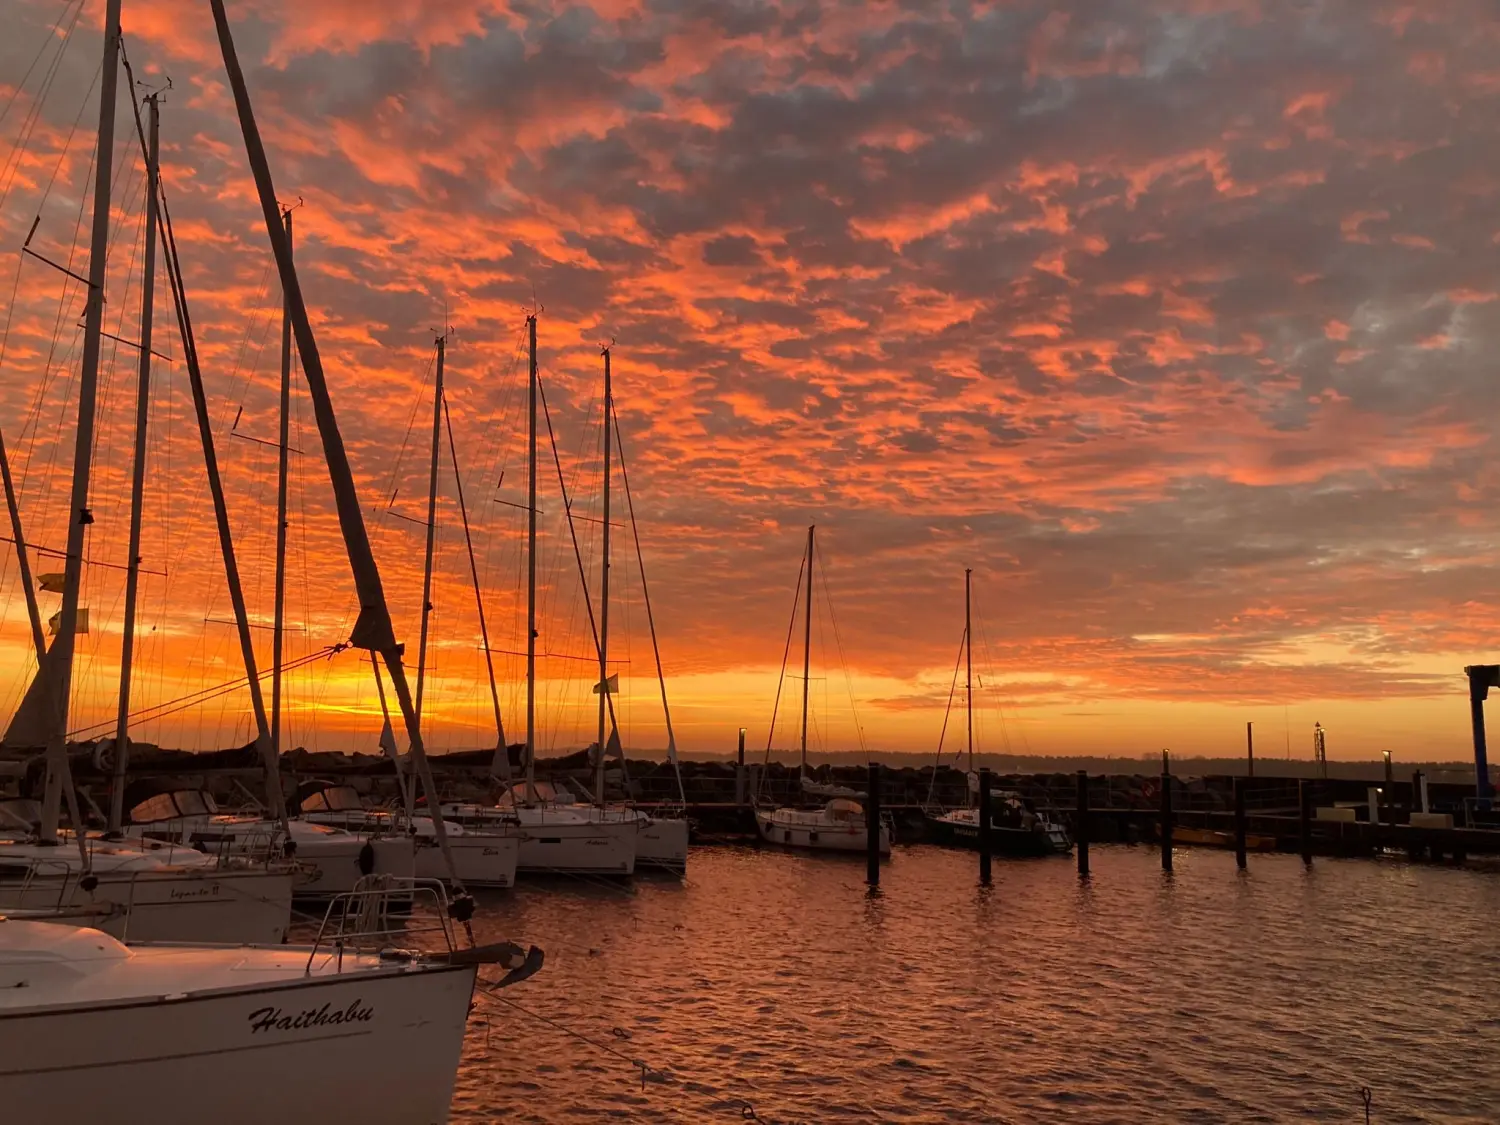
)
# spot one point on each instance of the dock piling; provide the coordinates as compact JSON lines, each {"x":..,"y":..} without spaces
{"x":872,"y":828}
{"x":1304,"y":821}
{"x":1239,"y":822}
{"x":984,"y":825}
{"x":1081,"y":829}
{"x":739,"y":772}
{"x":1166,"y":811}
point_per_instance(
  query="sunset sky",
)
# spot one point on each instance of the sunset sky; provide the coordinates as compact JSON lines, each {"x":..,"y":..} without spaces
{"x":1173,"y":319}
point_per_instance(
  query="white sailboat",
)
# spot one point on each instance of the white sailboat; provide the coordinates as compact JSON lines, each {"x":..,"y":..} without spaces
{"x":329,"y":860}
{"x":558,"y":836}
{"x":483,"y":857}
{"x":839,"y":826}
{"x":172,"y":895}
{"x":661,"y":841}
{"x":352,"y":1028}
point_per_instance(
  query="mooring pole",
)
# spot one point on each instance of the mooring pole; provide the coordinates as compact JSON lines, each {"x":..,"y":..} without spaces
{"x":872,"y":827}
{"x":984,"y":825}
{"x":1482,"y":677}
{"x":1166,"y":810}
{"x":1249,"y":749}
{"x":1081,"y":829}
{"x":1239,"y":822}
{"x":739,"y":772}
{"x":1304,"y":820}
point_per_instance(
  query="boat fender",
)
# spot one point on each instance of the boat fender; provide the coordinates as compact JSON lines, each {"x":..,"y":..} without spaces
{"x":367,"y":858}
{"x":289,"y":849}
{"x":89,"y":882}
{"x":461,"y":909}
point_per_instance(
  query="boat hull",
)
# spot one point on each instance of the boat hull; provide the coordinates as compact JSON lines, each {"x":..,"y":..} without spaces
{"x":244,"y":1055}
{"x":480,"y":860}
{"x":662,"y":843}
{"x":563,"y":847}
{"x":333,"y":866}
{"x":822,"y":837}
{"x":201,"y":906}
{"x":1004,"y":840}
{"x":1213,"y":838}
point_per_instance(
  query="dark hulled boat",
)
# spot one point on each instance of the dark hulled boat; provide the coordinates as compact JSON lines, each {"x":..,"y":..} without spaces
{"x":1015,"y":829}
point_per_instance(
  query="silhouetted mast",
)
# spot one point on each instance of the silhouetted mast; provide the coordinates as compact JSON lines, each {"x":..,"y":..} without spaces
{"x":278,"y":626}
{"x":531,"y":568}
{"x":138,"y":470}
{"x":604,"y":592}
{"x":807,"y":647}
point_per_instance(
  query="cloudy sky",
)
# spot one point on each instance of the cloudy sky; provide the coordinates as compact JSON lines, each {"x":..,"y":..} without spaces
{"x":1170,"y":319}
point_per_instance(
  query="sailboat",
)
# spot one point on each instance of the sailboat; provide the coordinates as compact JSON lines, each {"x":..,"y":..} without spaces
{"x":485,"y":855}
{"x":358,"y":1026}
{"x":839,"y":825}
{"x":166,"y":895}
{"x":661,"y":841}
{"x":1016,"y":828}
{"x":557,"y":836}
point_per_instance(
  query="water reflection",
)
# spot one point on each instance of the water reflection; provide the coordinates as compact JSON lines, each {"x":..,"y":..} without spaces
{"x":780,"y":980}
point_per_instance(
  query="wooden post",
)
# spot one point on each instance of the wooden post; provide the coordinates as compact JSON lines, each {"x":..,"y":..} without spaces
{"x":1250,"y":749}
{"x":1082,"y":827}
{"x":1166,"y":811}
{"x":984,"y":825}
{"x":1239,"y":822}
{"x":872,"y":828}
{"x":1304,"y":820}
{"x":739,"y":772}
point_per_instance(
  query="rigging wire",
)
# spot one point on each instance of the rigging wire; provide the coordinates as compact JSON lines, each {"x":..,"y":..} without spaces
{"x":785,"y":655}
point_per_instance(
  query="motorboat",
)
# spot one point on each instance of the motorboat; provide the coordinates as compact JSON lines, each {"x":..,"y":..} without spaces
{"x":94,"y":1029}
{"x":839,"y":826}
{"x":483,"y":856}
{"x":558,"y":834}
{"x":330,"y":860}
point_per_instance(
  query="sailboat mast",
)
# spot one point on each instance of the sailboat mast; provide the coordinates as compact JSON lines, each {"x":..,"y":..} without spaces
{"x":138,"y":472}
{"x":278,"y":626}
{"x":604,"y":590}
{"x":969,"y":667}
{"x":531,"y":570}
{"x":807,"y":645}
{"x":60,"y":659}
{"x":432,"y":484}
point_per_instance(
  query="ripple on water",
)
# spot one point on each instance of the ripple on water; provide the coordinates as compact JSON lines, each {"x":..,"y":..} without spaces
{"x":777,"y":980}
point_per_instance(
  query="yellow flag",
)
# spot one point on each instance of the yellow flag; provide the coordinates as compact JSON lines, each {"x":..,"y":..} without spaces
{"x":79,"y":626}
{"x":52,"y":583}
{"x":610,"y":686}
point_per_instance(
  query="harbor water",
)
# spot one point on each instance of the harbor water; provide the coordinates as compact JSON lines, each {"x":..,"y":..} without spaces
{"x":778,"y":982}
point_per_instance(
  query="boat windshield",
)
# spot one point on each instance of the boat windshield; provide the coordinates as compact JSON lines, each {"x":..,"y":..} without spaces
{"x":840,"y":808}
{"x":168,"y":806}
{"x":336,"y":798}
{"x":546,"y":794}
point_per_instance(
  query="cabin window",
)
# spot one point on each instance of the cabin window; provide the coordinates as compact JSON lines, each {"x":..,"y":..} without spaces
{"x":812,"y":837}
{"x":159,"y":807}
{"x":786,"y":835}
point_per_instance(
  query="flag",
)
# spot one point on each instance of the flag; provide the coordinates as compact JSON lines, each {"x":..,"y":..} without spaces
{"x":612,"y":746}
{"x":79,"y":626}
{"x":51,"y":583}
{"x":610,"y":686}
